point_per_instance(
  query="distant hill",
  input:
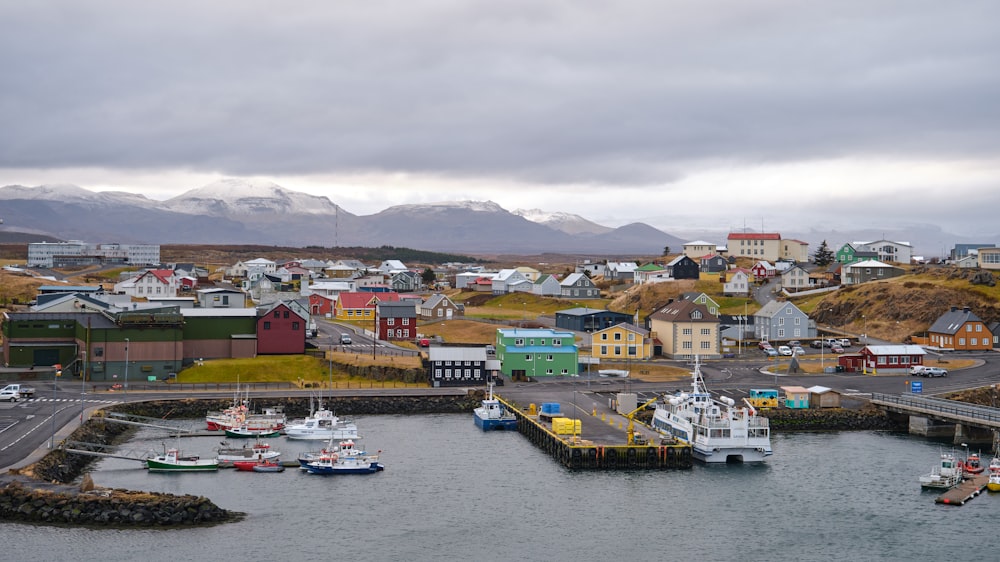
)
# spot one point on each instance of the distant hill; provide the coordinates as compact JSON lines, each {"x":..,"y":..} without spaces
{"x":242,"y":212}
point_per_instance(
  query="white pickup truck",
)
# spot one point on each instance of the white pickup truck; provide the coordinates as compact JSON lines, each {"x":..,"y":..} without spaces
{"x":16,"y":391}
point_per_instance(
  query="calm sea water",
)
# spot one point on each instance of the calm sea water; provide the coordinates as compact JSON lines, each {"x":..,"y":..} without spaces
{"x":451,"y":492}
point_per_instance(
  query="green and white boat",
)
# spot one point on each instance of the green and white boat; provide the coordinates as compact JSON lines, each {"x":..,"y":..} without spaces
{"x":172,"y":461}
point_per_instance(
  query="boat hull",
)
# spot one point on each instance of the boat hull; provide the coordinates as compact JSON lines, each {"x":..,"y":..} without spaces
{"x":729,"y":455}
{"x":328,"y":470}
{"x":182,"y":466}
{"x":291,"y":432}
{"x":487,"y":424}
{"x":250,"y":434}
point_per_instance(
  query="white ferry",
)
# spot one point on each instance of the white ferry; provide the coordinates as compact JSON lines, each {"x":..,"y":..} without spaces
{"x":717,"y":430}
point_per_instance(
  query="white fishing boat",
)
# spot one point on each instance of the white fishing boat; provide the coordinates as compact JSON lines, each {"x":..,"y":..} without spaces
{"x":945,"y":475}
{"x":717,"y":430}
{"x":171,"y":460}
{"x":258,"y":451}
{"x":322,"y":424}
{"x":491,"y":414}
{"x":993,"y":484}
{"x":345,"y":459}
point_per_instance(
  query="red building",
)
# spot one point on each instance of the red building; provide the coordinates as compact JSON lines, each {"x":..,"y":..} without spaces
{"x":280,"y":331}
{"x":397,"y":320}
{"x":321,"y":305}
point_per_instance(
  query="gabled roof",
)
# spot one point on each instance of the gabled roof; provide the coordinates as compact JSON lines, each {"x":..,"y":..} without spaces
{"x":684,"y":311}
{"x":545,"y":277}
{"x":259,"y":261}
{"x":868,"y":263}
{"x":952,"y":321}
{"x":364,"y":300}
{"x":699,"y":243}
{"x":772,"y":308}
{"x":162,"y":275}
{"x":572,"y":278}
{"x":397,"y":309}
{"x":627,"y":326}
{"x":649,"y":267}
{"x":437,"y":299}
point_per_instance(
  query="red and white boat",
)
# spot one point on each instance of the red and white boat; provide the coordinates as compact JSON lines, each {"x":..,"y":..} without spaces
{"x":973,"y":465}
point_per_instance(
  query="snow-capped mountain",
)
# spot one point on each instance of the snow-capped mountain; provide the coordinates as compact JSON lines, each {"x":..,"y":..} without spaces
{"x":241,"y":212}
{"x":566,"y":222}
{"x":237,"y":197}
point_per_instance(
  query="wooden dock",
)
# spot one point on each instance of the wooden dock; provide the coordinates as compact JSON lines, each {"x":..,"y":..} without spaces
{"x":965,"y":491}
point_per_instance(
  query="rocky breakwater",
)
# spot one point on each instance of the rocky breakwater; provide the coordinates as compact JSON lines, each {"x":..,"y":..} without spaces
{"x":867,"y":418}
{"x":107,"y":508}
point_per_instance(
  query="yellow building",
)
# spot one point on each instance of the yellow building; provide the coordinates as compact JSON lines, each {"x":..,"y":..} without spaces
{"x":685,"y":329}
{"x":621,"y":341}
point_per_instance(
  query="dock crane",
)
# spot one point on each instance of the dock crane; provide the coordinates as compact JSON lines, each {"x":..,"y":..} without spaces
{"x":631,"y":438}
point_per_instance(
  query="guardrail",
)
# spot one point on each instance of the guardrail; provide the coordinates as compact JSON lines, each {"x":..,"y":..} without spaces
{"x":948,"y":409}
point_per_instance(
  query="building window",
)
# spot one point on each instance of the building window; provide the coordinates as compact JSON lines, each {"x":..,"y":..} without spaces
{"x":618,"y":336}
{"x":390,"y":322}
{"x":267,"y":325}
{"x":686,"y":331}
{"x":632,"y":350}
{"x":706,"y":331}
{"x":686,"y":345}
{"x":295,"y":326}
{"x":618,"y":350}
{"x":706,"y":345}
{"x":604,"y":350}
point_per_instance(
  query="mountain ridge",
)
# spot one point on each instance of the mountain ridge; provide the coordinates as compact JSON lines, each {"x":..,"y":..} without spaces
{"x":238,"y":212}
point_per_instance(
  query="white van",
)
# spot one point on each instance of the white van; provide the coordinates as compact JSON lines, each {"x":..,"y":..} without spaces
{"x":345,"y":339}
{"x":917,"y":370}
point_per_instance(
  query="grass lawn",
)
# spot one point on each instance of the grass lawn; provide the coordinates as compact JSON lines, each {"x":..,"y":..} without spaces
{"x":295,"y":369}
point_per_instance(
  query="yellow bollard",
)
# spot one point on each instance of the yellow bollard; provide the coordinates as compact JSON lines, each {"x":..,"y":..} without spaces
{"x":619,"y":425}
{"x":595,"y":412}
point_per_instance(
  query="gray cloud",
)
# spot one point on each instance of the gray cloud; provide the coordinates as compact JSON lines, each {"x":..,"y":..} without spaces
{"x":638,"y":93}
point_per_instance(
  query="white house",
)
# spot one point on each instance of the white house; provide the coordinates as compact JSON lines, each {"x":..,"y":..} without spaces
{"x":737,"y":283}
{"x":887,"y":250}
{"x":510,"y":281}
{"x":698,"y":248}
{"x":152,"y":282}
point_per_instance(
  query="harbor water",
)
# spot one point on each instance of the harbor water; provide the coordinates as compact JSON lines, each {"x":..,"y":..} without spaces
{"x":453,"y":492}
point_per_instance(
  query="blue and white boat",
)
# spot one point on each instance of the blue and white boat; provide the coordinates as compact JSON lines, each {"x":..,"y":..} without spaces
{"x":322,"y":424}
{"x":345,"y":459}
{"x":493,"y":415}
{"x":717,"y":430}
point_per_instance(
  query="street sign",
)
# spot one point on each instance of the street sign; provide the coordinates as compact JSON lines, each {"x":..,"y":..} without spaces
{"x":917,"y":387}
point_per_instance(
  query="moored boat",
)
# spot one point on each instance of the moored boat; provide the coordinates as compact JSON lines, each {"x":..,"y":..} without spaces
{"x":973,"y":465}
{"x":257,"y":451}
{"x":346,"y":459}
{"x":491,"y":414}
{"x":322,"y":424}
{"x":947,"y":474}
{"x":171,"y":460}
{"x":993,"y":484}
{"x":245,"y":432}
{"x":258,"y":466}
{"x":717,"y":430}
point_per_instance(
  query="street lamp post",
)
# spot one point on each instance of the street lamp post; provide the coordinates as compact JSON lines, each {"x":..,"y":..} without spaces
{"x":125,"y":388}
{"x":83,"y":383}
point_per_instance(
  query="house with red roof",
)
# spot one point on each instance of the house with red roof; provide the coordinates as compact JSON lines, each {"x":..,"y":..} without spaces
{"x":321,"y":305}
{"x":150,"y":283}
{"x":755,"y":245}
{"x":360,"y":305}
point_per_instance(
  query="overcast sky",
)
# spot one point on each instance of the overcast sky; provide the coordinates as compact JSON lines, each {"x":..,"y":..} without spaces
{"x":684,"y":115}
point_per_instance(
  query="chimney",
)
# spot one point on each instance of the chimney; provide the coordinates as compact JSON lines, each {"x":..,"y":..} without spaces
{"x":966,"y":309}
{"x":954,"y":309}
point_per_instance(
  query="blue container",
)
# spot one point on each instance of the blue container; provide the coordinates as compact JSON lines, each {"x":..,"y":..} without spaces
{"x":550,"y":407}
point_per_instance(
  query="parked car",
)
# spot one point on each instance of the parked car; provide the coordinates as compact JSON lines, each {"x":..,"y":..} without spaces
{"x":764,"y":345}
{"x":797,"y":350}
{"x":845,"y":342}
{"x":794,"y":343}
{"x":770,"y":352}
{"x":917,"y":370}
{"x":836,"y":348}
{"x":816,"y":344}
{"x":784,"y":350}
{"x":935,"y":372}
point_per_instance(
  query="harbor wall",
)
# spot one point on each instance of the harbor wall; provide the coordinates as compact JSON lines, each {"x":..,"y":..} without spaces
{"x":579,"y":455}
